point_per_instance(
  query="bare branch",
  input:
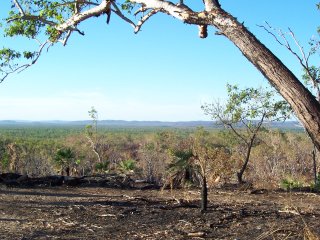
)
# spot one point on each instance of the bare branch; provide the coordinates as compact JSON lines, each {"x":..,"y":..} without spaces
{"x":243,"y":121}
{"x":303,"y":59}
{"x":305,"y":63}
{"x":17,"y":4}
{"x":65,"y":40}
{"x":236,"y":132}
{"x":286,"y":44}
{"x":76,"y":7}
{"x":73,"y":21}
{"x":178,"y":12}
{"x":5,"y":76}
{"x":271,"y":33}
{"x":299,"y":46}
{"x":141,"y":10}
{"x":211,"y":4}
{"x":144,"y":19}
{"x":120,"y":14}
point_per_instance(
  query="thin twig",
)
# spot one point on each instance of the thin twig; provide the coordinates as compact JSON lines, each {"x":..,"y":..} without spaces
{"x":65,"y":40}
{"x":303,"y":59}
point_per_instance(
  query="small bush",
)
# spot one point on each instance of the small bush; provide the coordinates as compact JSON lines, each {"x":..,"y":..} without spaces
{"x":316,"y":187}
{"x":5,"y":161}
{"x":102,"y":167}
{"x":289,"y":184}
{"x":127,"y":166}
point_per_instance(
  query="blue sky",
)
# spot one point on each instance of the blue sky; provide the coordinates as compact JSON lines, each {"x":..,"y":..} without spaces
{"x":163,"y":73}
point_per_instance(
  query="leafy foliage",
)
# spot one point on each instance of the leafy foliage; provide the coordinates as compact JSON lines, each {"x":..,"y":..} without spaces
{"x":127,"y":166}
{"x":211,"y":157}
{"x":5,"y":160}
{"x":91,"y":130}
{"x":247,"y":109}
{"x":290,"y":184}
{"x":250,"y":104}
{"x":181,"y":171}
{"x":316,"y":186}
{"x":128,"y":6}
{"x":64,"y":157}
{"x":38,"y":17}
{"x":102,"y":167}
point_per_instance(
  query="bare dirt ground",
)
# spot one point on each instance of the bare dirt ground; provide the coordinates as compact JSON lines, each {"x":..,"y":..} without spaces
{"x":110,"y":213}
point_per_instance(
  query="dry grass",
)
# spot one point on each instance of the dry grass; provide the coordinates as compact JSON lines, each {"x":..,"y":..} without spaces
{"x":283,"y":233}
{"x":309,"y":235}
{"x":270,"y":233}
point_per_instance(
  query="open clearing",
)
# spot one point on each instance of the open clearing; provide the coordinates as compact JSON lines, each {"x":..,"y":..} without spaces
{"x":109,"y":213}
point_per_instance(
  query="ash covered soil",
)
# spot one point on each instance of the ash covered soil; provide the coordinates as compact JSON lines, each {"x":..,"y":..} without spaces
{"x":110,"y":213}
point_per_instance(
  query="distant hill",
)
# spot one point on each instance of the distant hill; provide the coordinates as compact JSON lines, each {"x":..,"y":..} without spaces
{"x":138,"y":124}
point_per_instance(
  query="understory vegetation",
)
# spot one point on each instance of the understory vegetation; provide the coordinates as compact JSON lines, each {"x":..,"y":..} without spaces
{"x":167,"y":157}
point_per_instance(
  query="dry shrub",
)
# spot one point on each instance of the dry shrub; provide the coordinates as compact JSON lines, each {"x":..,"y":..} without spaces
{"x":221,"y":169}
{"x":152,"y":162}
{"x":279,"y":156}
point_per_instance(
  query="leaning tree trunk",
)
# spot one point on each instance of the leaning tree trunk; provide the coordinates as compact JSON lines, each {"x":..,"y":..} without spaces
{"x":303,"y":103}
{"x":245,"y":164}
{"x":249,"y":148}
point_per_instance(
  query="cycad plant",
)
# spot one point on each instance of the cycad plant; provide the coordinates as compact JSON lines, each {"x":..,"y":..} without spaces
{"x":127,"y":166}
{"x":64,"y":158}
{"x":181,"y":170}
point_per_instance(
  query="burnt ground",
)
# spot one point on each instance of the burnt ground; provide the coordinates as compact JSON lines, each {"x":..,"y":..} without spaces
{"x":109,"y":213}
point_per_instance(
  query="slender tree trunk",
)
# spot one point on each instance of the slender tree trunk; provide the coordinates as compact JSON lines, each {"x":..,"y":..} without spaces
{"x":314,"y":158}
{"x":93,"y":147}
{"x":249,"y":147}
{"x":204,"y":194}
{"x":68,"y":171}
{"x":245,"y":164}
{"x":304,"y":104}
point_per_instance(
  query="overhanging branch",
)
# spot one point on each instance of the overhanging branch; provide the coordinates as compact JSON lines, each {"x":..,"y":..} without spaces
{"x":121,"y":15}
{"x":27,"y":65}
{"x":81,"y":16}
{"x":32,"y":18}
{"x":144,"y":19}
{"x":166,"y":7}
